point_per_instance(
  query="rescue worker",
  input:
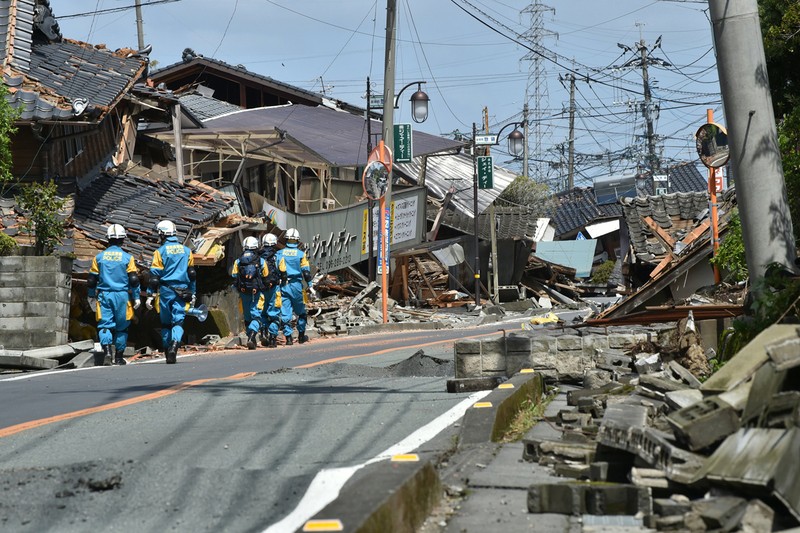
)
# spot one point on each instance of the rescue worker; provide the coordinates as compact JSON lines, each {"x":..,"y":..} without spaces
{"x":271,"y":314}
{"x":173,"y":278}
{"x":114,"y":293}
{"x":294,"y":268}
{"x":249,"y":273}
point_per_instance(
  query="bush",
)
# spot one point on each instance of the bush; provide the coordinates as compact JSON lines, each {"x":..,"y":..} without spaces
{"x":730,"y":255}
{"x":602,"y":273}
{"x":8,"y":246}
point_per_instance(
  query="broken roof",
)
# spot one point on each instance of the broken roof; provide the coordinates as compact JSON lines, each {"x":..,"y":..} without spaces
{"x":52,"y":78}
{"x":138,"y":204}
{"x":455,"y":172}
{"x":510,"y":222}
{"x":202,"y":107}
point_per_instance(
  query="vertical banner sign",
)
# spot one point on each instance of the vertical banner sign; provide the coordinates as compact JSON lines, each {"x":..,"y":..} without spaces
{"x":383,"y":254}
{"x":485,"y":175}
{"x":719,"y":180}
{"x":403,"y":150}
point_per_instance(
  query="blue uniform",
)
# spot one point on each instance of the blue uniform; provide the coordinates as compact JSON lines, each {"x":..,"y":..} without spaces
{"x":171,"y":263}
{"x":271,"y":314}
{"x":293,"y":264}
{"x":252,"y":302}
{"x":114,"y":292}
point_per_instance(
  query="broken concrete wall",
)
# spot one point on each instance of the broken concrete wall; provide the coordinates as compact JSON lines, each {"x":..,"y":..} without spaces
{"x":34,"y":301}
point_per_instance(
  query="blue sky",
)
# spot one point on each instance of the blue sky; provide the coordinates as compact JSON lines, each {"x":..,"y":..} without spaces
{"x":466,"y":51}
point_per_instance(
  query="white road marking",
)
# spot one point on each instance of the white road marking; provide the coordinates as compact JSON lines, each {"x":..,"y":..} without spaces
{"x":325,"y":486}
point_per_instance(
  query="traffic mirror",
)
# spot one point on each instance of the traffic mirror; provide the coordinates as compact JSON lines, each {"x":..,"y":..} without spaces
{"x":711,"y":141}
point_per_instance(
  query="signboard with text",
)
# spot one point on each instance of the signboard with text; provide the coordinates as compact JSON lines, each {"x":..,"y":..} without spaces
{"x":485,"y":172}
{"x":403,"y":149}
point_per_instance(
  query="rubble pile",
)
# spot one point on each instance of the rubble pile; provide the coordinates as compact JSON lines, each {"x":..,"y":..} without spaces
{"x":644,"y":438}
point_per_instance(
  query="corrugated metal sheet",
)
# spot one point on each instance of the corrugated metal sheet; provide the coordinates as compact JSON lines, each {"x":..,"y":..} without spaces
{"x":456,"y":171}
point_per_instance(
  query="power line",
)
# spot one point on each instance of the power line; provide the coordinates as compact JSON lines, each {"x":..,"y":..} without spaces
{"x":115,"y":9}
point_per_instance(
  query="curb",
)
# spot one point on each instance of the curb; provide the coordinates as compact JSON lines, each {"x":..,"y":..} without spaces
{"x":399,"y":495}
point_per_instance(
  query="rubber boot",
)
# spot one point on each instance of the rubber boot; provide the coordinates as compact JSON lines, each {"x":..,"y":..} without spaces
{"x":118,"y":359}
{"x":302,"y":337}
{"x":289,"y":341}
{"x":273,"y":341}
{"x":100,"y":357}
{"x":251,"y":340}
{"x":264,"y":339}
{"x":172,"y":353}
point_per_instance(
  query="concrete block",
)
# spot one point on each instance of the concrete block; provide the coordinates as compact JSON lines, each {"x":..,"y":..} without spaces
{"x":12,"y":323}
{"x":51,"y":352}
{"x":13,"y":263}
{"x":757,"y":517}
{"x":648,"y":364}
{"x":45,"y":309}
{"x":516,"y":362}
{"x":493,"y":347}
{"x":12,"y":294}
{"x":598,"y":471}
{"x":594,"y":378}
{"x":11,"y":280}
{"x":683,"y":374}
{"x":23,"y":362}
{"x":83,"y":360}
{"x":620,"y":341}
{"x":785,"y":354}
{"x":544,"y":344}
{"x":40,"y":294}
{"x":40,"y":323}
{"x":671,"y":507}
{"x":723,"y":513}
{"x":570,"y":343}
{"x":704,"y":423}
{"x":473,"y":384}
{"x":593,"y":344}
{"x":588,"y":498}
{"x":518,"y":344}
{"x":467,"y":346}
{"x":82,"y":346}
{"x":683,"y":398}
{"x":12,"y":309}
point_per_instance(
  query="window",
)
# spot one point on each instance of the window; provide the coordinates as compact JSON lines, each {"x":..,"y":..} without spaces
{"x":73,"y":145}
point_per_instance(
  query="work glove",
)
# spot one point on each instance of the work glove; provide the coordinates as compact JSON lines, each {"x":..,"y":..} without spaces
{"x":149,"y":303}
{"x":313,"y":293}
{"x":92,"y":303}
{"x":136,"y":303}
{"x":193,"y":300}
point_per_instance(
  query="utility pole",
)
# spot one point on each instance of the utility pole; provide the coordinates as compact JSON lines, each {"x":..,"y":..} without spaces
{"x":525,"y":140}
{"x":387,"y":129}
{"x":139,"y":28}
{"x":755,"y":156}
{"x":643,"y":60}
{"x":647,"y":112}
{"x":370,"y":201}
{"x":571,"y":156}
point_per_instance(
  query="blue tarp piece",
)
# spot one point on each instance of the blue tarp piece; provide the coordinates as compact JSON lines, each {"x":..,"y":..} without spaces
{"x":577,"y":254}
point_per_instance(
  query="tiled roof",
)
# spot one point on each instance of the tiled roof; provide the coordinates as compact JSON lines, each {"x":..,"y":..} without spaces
{"x":138,"y":204}
{"x":578,"y":207}
{"x":511,"y":223}
{"x":686,"y":178}
{"x":205,"y":107}
{"x":46,"y":74}
{"x":675,"y":213}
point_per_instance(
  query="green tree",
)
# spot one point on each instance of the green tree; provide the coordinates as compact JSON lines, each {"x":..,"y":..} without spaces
{"x":41,"y":204}
{"x":529,"y":193}
{"x":7,"y":130}
{"x":780,"y":26}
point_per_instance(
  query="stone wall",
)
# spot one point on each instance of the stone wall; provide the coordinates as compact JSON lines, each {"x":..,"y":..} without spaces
{"x":34,"y":301}
{"x":555,"y":354}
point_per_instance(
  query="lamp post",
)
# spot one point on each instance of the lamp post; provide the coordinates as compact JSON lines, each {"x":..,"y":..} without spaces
{"x":516,"y":146}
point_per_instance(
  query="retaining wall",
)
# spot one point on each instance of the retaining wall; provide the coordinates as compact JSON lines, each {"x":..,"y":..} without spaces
{"x":34,"y":301}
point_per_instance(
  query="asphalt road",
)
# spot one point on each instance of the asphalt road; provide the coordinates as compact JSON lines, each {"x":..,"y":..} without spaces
{"x":219,"y":442}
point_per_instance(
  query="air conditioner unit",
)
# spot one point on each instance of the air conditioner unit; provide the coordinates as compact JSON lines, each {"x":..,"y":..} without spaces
{"x":328,"y":204}
{"x":661,"y":190}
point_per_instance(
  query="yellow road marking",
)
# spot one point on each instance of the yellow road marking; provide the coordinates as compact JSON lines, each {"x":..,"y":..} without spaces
{"x":482,"y":405}
{"x":324,"y":525}
{"x":18,"y":428}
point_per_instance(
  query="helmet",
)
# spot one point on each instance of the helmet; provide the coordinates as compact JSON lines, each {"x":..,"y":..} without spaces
{"x":269,"y":240}
{"x":250,"y":243}
{"x":292,"y":235}
{"x":166,"y":228}
{"x":115,"y":231}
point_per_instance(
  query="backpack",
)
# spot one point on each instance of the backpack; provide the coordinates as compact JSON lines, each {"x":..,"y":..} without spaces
{"x":274,"y":276}
{"x":249,"y":277}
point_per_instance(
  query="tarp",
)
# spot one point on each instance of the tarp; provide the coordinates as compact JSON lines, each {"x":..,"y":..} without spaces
{"x":577,"y":254}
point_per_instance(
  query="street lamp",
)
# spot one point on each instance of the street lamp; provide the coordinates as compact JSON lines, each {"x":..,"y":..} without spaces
{"x":516,"y":146}
{"x":419,"y":102}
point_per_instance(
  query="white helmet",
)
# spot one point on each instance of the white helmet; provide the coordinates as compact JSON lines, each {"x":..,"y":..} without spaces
{"x":250,"y":243}
{"x":292,"y":235}
{"x":269,"y":240}
{"x":166,"y":228}
{"x":115,"y":231}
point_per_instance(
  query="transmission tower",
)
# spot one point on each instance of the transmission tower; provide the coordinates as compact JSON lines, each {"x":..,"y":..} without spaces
{"x":536,"y":94}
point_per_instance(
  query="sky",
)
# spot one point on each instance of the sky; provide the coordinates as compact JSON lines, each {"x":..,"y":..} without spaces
{"x":476,"y":58}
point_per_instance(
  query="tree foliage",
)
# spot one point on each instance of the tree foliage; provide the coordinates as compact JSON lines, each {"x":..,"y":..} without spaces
{"x":7,"y":129}
{"x":529,"y":193}
{"x":780,"y":26}
{"x":730,"y":256}
{"x":41,"y":204}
